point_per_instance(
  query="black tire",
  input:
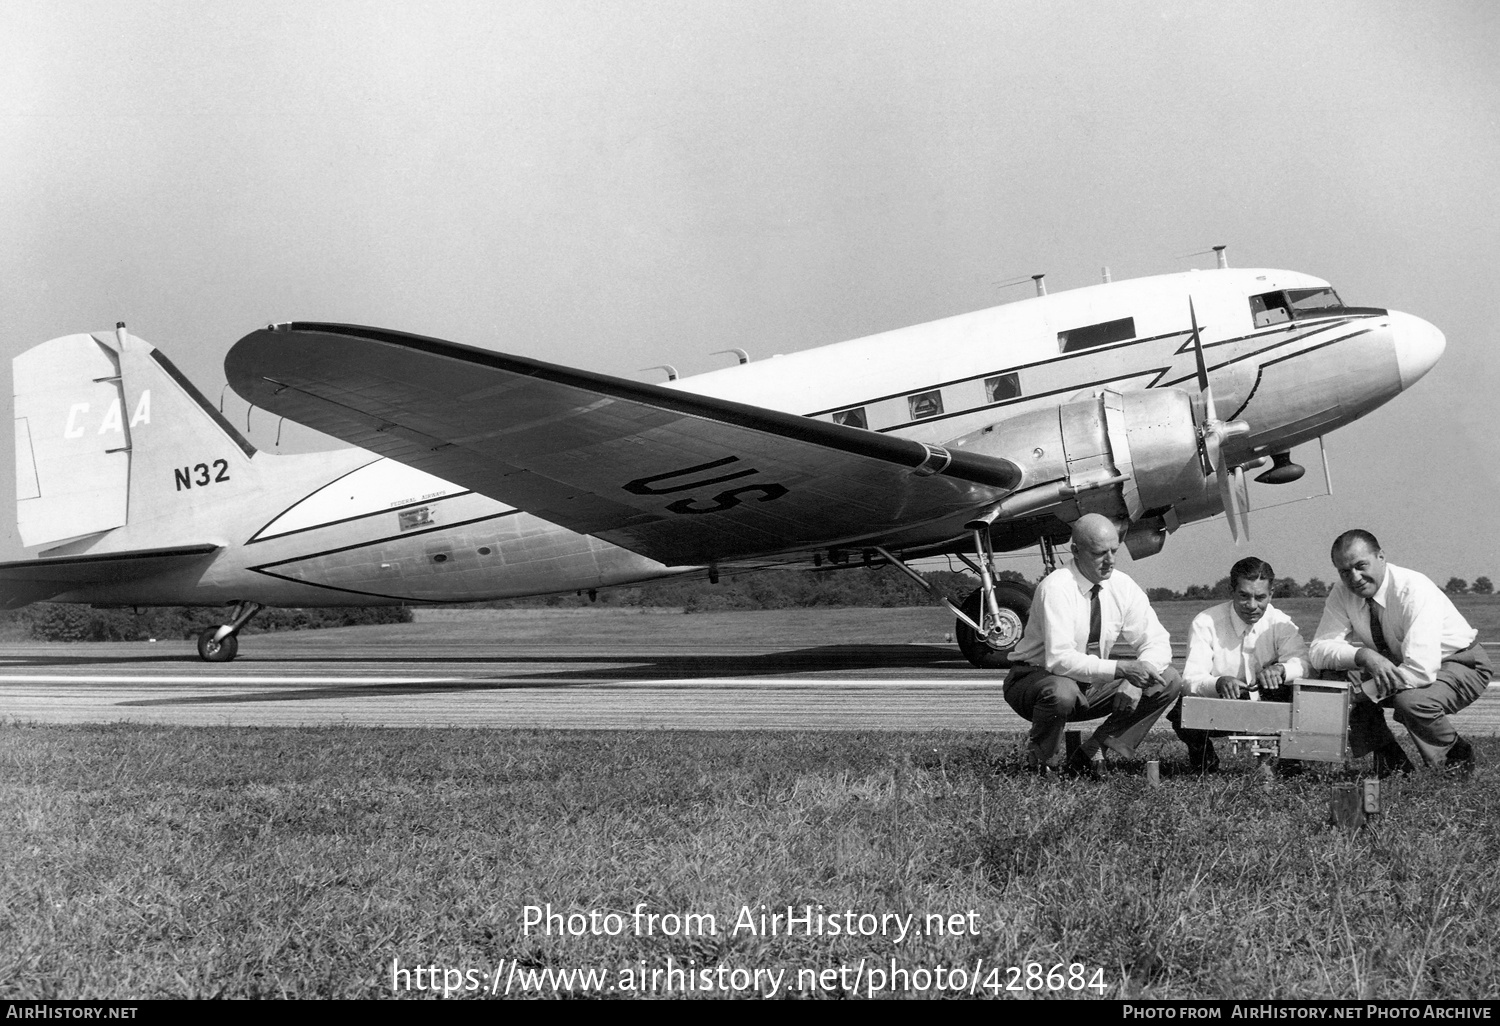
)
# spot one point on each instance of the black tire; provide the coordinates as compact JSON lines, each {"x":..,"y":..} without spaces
{"x":213,"y":651}
{"x":1014,"y":601}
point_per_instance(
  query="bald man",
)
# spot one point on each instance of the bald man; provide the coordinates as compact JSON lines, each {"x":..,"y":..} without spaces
{"x":1061,"y":670}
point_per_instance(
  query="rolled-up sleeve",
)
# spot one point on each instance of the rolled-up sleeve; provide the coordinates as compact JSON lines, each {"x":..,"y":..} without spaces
{"x":1198,"y":672}
{"x":1291,"y":650}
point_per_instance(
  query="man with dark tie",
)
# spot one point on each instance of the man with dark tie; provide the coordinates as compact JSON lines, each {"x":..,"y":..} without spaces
{"x":1410,"y":650}
{"x":1061,"y":670}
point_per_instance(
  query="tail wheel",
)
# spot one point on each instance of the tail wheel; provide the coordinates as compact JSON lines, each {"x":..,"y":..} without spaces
{"x":992,"y":652}
{"x":217,"y":651}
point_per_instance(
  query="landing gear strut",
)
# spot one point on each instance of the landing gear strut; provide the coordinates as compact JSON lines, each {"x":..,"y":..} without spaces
{"x":990,"y":622}
{"x":221,"y":644}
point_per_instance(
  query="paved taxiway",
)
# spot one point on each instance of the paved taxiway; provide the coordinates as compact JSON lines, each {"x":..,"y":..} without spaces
{"x":835,"y":669}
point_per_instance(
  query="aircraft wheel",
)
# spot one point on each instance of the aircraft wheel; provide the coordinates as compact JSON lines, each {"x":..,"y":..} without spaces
{"x":217,"y":651}
{"x":993,"y":653}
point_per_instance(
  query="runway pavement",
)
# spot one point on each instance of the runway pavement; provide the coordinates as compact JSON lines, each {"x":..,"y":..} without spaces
{"x":828,"y":669}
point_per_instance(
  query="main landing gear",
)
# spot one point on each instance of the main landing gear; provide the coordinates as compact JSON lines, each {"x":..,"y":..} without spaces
{"x":990,"y":621}
{"x":221,"y":644}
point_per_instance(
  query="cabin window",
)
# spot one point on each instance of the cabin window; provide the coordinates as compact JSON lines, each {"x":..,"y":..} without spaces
{"x":1091,"y":335}
{"x":925,"y":404}
{"x":852,"y":418}
{"x":999,"y":389}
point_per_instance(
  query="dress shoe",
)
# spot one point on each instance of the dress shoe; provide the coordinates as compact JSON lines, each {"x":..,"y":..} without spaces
{"x":1042,"y":770}
{"x":1392,"y":759}
{"x":1080,"y":765}
{"x":1460,"y":758}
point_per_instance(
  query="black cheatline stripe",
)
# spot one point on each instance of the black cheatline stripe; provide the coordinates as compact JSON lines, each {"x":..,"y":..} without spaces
{"x":1082,"y":353}
{"x":900,"y":451}
{"x":256,"y":536}
{"x":1072,"y":387}
{"x":1261,"y":371}
{"x":348,"y":591}
{"x":203,"y":403}
{"x":999,"y":372}
{"x":349,"y":520}
{"x":1291,"y":339}
{"x":260,"y":568}
{"x":1320,"y":345}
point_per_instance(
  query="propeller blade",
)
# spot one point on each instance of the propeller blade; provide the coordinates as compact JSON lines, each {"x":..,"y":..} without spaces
{"x":1234,"y":492}
{"x":1198,"y":355}
{"x":1242,"y":496}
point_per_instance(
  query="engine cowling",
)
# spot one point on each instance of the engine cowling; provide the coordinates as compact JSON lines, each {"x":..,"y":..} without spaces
{"x":1131,"y":456}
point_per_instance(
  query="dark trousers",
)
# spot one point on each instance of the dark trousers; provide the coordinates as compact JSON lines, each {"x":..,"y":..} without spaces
{"x":1424,"y":711}
{"x":1051,"y":703}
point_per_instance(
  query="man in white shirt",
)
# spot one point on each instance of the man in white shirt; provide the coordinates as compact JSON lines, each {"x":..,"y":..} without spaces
{"x":1243,"y":648}
{"x":1396,"y":633}
{"x":1061,"y":670}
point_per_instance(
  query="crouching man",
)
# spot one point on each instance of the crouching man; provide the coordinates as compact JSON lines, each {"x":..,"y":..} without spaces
{"x":1061,"y":670}
{"x":1243,"y":648}
{"x":1411,"y":650}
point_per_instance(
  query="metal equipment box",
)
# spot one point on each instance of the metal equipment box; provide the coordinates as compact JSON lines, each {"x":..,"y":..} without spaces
{"x":1313,"y":726}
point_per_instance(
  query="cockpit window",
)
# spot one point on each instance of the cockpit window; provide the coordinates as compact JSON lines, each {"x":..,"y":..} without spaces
{"x":1275,"y":307}
{"x":1307,"y":301}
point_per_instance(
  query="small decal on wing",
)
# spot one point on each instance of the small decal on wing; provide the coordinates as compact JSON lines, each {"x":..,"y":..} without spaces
{"x":419,"y":517}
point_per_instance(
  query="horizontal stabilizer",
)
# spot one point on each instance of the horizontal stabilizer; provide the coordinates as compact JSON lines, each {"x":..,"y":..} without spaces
{"x":33,"y":580}
{"x":679,"y":477}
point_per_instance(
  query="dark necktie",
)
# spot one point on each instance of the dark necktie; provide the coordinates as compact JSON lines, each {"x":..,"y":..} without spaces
{"x":1096,"y":620}
{"x":1377,"y":635}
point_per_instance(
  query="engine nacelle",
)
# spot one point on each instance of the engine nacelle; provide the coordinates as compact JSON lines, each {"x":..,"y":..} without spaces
{"x":1131,"y":456}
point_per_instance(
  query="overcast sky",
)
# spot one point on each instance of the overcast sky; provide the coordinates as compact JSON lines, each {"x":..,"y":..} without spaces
{"x":617,"y":185}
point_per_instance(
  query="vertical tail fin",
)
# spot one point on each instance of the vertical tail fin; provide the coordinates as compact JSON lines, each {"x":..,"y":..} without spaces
{"x":111,"y":439}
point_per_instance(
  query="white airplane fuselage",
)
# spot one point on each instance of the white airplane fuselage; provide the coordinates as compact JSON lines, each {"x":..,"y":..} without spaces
{"x":349,"y":527}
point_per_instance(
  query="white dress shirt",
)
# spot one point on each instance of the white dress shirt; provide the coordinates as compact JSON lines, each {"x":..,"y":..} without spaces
{"x":1220,"y":644}
{"x":1420,"y":624}
{"x":1057,"y":633}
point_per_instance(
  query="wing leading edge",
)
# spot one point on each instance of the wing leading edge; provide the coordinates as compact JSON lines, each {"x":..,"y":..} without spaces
{"x":678,"y":477}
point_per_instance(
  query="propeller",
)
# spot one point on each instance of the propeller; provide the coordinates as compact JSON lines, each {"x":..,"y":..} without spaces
{"x":1234,"y":490}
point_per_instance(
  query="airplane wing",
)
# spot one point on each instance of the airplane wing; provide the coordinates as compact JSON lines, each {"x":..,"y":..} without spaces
{"x":681,"y":478}
{"x":34,"y":580}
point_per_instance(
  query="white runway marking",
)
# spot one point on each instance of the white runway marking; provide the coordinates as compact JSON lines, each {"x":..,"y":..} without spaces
{"x":222,"y":679}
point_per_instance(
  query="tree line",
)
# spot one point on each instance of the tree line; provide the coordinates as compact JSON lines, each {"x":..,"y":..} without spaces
{"x":862,"y":586}
{"x":53,"y":621}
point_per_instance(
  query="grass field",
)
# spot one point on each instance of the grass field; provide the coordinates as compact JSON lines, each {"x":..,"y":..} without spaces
{"x":183,"y":862}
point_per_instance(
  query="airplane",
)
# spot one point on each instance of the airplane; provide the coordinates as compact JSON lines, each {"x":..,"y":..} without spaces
{"x":479,"y":475}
